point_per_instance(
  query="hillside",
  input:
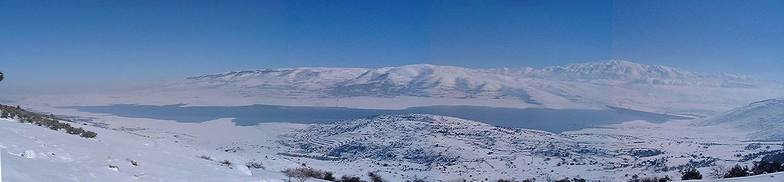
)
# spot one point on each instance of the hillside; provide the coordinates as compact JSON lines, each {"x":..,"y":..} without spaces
{"x":763,"y":120}
{"x":32,"y":153}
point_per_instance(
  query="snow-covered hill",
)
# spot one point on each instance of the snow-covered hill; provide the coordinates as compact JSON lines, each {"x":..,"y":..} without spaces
{"x":438,"y":147}
{"x":764,"y":119}
{"x":155,"y":152}
{"x":424,"y":139}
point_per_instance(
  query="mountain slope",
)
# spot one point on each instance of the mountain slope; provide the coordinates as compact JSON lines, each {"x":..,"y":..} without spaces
{"x":764,"y":119}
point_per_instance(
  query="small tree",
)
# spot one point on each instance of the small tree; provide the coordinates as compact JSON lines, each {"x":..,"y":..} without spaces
{"x":652,"y":179}
{"x":254,"y":165}
{"x":350,"y":179}
{"x":690,"y":174}
{"x":329,"y":176}
{"x":89,"y":134}
{"x":375,"y":177}
{"x":718,"y":171}
{"x":302,"y":174}
{"x":226,"y":163}
{"x":297,"y":174}
{"x":737,"y":171}
{"x":764,"y":167}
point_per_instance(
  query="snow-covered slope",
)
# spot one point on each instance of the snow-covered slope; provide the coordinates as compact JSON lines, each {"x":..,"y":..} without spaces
{"x":402,"y":147}
{"x":32,"y":153}
{"x":763,"y":119}
{"x":439,"y":147}
{"x":773,"y":177}
{"x":418,"y":138}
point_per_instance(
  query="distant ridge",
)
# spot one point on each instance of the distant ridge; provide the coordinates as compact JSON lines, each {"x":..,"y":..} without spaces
{"x":763,"y":119}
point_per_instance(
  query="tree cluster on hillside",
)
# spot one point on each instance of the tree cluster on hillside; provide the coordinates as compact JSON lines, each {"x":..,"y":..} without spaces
{"x":690,"y":174}
{"x":764,"y":167}
{"x":374,"y":177}
{"x":761,"y":167}
{"x":737,"y":171}
{"x":636,"y":178}
{"x":571,"y":180}
{"x":49,"y":121}
{"x":303,"y":173}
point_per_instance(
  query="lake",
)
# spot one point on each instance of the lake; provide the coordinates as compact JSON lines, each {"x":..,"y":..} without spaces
{"x":553,"y":120}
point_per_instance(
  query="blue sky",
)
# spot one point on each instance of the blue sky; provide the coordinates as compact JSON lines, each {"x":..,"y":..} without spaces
{"x":109,"y":44}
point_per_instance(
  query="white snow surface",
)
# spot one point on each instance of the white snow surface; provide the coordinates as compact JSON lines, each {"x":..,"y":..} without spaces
{"x":33,"y":153}
{"x":773,"y":177}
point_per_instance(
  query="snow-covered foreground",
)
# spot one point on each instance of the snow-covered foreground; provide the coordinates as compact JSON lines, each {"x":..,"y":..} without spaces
{"x":400,"y":147}
{"x":773,"y":177}
{"x":32,"y":153}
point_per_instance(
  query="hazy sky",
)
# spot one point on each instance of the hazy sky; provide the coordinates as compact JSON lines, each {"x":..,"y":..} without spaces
{"x":102,"y":44}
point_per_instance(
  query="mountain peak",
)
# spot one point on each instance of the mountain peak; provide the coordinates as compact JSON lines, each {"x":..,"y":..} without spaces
{"x":621,"y":71}
{"x":620,"y":62}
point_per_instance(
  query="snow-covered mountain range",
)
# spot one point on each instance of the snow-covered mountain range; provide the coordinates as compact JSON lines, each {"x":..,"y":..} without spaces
{"x":429,"y":80}
{"x":614,"y":83}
